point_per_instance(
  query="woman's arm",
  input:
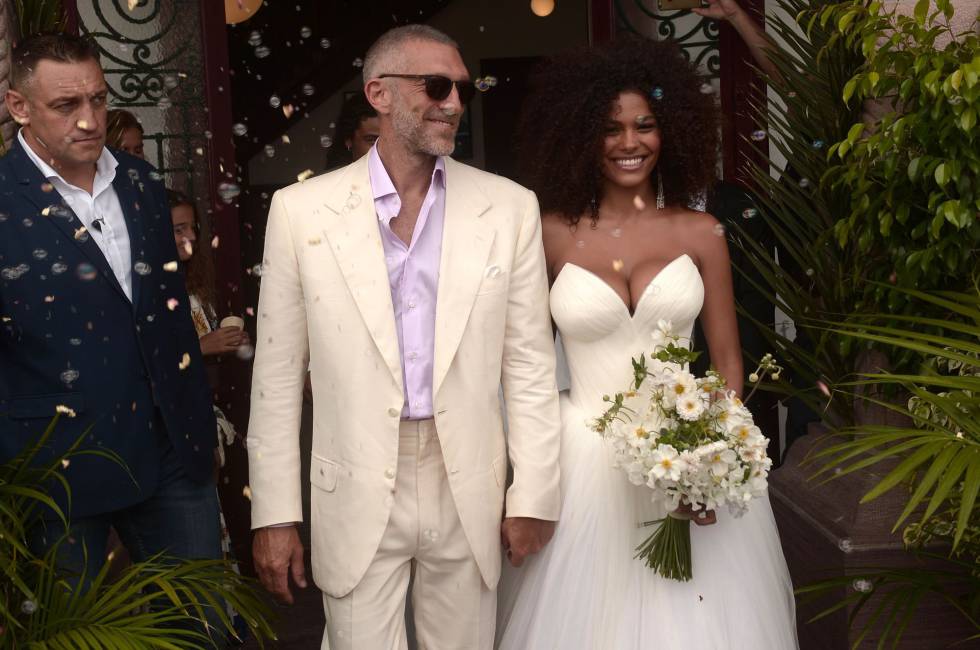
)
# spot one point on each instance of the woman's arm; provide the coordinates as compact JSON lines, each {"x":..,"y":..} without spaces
{"x":718,"y":314}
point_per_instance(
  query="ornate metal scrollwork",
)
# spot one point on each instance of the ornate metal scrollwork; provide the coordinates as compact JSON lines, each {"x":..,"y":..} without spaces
{"x":697,"y":36}
{"x":155,"y":71}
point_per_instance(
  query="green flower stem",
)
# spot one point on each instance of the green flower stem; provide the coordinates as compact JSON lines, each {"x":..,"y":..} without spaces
{"x":668,"y":550}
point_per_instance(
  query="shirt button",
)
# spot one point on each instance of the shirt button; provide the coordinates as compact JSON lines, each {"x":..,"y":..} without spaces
{"x":411,"y":304}
{"x":412,"y":356}
{"x":393,"y":412}
{"x":389,"y":473}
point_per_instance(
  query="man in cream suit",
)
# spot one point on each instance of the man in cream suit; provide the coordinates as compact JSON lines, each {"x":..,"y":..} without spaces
{"x":414,"y":287}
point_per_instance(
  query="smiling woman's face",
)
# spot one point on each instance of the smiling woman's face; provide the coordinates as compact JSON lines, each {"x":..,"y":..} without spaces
{"x":631,"y":146}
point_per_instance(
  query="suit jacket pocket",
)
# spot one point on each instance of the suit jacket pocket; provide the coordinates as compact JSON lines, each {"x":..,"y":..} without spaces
{"x":323,"y":473}
{"x":44,"y":406}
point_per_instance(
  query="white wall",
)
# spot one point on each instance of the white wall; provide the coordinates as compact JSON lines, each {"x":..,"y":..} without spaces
{"x":484,"y":29}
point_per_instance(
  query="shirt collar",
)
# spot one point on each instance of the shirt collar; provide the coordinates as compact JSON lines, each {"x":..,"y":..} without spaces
{"x":105,"y":166}
{"x":381,"y":185}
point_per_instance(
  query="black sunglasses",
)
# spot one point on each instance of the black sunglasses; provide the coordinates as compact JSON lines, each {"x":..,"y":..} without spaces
{"x":438,"y":87}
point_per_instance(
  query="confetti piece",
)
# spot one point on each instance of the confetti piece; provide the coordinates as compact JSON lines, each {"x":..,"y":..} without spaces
{"x":214,"y":242}
{"x":247,"y":492}
{"x":81,"y":233}
{"x":172,"y":304}
{"x":303,"y":175}
{"x":638,"y":202}
{"x":82,"y":124}
{"x":61,"y":408}
{"x":64,"y":461}
{"x":287,"y":110}
{"x":250,"y":311}
{"x":617,"y":265}
{"x":170,"y":266}
{"x":184,"y":361}
{"x":285,"y":138}
{"x":48,"y":298}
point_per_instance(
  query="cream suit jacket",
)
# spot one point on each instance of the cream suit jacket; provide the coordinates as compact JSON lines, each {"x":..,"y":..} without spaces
{"x":325,"y":297}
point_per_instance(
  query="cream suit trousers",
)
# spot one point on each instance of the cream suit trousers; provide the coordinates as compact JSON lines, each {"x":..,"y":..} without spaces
{"x":454,"y":609}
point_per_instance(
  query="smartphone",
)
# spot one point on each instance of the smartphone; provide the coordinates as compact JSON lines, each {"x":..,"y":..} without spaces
{"x":671,"y":5}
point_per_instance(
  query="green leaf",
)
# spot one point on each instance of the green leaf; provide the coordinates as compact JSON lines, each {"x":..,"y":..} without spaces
{"x":914,"y":168}
{"x":942,"y":174}
{"x":971,"y":486}
{"x":849,"y":88}
{"x":968,"y":119}
{"x":921,"y":11}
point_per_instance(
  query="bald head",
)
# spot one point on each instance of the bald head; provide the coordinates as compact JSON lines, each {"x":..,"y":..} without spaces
{"x":388,"y":52}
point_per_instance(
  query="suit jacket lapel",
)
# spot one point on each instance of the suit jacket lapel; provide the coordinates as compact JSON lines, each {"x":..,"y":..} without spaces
{"x":355,"y":240}
{"x":466,"y":243}
{"x":53,"y":209}
{"x":126,"y":191}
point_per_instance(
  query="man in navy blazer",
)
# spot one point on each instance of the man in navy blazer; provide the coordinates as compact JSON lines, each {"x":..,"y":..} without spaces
{"x":95,"y":318}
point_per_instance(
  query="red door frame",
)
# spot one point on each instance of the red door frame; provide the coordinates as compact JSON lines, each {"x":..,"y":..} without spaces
{"x":739,"y":82}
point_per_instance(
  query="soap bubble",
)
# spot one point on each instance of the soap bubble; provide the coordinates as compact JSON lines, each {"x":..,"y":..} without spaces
{"x":86,"y":272}
{"x":228,"y":191}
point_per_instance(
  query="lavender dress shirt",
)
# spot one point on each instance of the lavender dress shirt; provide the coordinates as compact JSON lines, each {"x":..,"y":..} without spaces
{"x":413,"y":273}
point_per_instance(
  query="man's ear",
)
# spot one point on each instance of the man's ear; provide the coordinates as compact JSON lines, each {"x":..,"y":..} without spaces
{"x":378,"y":95}
{"x":18,"y":107}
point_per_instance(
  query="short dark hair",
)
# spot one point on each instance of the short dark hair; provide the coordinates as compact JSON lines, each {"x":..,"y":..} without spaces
{"x":355,"y":110}
{"x":63,"y":48}
{"x":564,"y":119}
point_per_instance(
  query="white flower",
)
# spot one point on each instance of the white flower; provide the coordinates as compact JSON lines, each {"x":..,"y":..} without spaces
{"x":721,"y":461}
{"x":663,"y":335}
{"x":667,"y":463}
{"x":680,"y":385}
{"x":689,"y":408}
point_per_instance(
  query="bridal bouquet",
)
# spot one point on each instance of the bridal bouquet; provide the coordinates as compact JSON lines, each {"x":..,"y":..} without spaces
{"x":688,"y":439}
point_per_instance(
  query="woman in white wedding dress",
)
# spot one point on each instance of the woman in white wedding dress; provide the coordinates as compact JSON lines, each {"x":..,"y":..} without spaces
{"x":617,"y":141}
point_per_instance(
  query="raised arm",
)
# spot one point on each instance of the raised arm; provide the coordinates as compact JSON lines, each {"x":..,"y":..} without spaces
{"x":748,"y":30}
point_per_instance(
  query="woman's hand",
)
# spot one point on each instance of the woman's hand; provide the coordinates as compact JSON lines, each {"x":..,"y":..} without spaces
{"x":684,"y":511}
{"x":223,"y":341}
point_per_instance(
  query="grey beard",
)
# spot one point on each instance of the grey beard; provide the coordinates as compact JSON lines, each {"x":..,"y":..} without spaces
{"x":410,"y":128}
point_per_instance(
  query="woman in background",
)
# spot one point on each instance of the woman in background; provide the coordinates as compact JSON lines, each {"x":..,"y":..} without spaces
{"x":123,"y":131}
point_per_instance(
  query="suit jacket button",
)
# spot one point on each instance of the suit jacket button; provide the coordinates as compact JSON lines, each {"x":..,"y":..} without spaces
{"x":393,"y":412}
{"x":389,"y":473}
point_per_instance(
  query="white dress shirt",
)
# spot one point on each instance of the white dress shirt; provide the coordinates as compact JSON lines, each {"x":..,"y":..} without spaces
{"x":102,"y":205}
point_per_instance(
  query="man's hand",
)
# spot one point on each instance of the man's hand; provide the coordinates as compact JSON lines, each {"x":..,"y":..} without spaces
{"x":277,"y":553}
{"x":523,"y":536}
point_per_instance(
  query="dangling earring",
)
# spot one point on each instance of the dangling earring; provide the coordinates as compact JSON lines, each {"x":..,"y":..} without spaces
{"x":660,"y":191}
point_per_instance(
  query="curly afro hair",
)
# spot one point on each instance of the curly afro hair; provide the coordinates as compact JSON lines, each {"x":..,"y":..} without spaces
{"x":560,"y":137}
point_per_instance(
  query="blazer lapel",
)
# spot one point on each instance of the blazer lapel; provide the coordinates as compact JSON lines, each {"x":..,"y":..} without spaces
{"x":466,"y":243}
{"x":129,"y":196}
{"x":355,"y":240}
{"x":52,"y":208}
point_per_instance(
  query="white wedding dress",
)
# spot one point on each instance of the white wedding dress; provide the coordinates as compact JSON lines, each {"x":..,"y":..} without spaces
{"x":585,"y":591}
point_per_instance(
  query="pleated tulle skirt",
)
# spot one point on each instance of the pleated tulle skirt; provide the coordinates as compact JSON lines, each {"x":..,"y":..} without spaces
{"x":585,"y":590}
